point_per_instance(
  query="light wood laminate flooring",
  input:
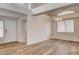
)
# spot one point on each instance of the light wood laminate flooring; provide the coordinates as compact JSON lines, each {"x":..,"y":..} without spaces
{"x":48,"y":47}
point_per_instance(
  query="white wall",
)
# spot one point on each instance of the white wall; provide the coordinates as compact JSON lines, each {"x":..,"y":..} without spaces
{"x":66,"y":36}
{"x":21,"y":36}
{"x":38,"y":29}
{"x":10,"y":25}
{"x":23,"y":31}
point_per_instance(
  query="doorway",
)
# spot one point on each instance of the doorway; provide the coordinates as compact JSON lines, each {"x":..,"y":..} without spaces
{"x":24,"y":35}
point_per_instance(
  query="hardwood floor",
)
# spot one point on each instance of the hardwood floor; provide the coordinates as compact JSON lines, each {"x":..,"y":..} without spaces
{"x":48,"y":47}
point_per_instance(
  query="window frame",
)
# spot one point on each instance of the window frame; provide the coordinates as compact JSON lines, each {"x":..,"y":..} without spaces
{"x":65,"y":27}
{"x":3,"y":30}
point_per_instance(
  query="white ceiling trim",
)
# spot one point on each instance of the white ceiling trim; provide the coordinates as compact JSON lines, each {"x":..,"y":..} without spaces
{"x":47,"y":7}
{"x":15,"y":8}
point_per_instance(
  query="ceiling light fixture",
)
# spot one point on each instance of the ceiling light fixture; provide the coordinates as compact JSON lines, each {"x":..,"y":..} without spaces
{"x":58,"y":19}
{"x":65,"y":13}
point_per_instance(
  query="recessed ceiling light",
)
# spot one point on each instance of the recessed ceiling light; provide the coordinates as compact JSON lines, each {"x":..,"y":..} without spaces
{"x":65,"y":13}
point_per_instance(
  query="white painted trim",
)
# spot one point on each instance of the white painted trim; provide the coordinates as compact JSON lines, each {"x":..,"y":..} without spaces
{"x":47,"y":7}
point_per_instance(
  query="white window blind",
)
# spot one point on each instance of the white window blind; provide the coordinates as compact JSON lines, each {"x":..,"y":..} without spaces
{"x":1,"y":29}
{"x":65,"y":26}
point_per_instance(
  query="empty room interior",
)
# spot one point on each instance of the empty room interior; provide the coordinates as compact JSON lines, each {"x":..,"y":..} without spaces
{"x":39,"y":29}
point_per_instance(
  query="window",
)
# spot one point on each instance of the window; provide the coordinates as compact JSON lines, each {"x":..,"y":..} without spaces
{"x":65,"y":26}
{"x":1,"y":29}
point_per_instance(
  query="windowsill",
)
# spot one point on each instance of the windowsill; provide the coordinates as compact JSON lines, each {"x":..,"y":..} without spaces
{"x":66,"y":32}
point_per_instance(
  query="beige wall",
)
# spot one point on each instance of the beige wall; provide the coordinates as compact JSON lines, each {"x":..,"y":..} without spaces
{"x":68,"y":36}
{"x":38,"y":29}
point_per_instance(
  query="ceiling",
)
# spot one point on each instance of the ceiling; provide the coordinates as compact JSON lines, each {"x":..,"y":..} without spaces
{"x":18,"y":9}
{"x":73,"y":7}
{"x":24,"y":5}
{"x":35,"y":5}
{"x":48,"y":7}
{"x":14,"y":9}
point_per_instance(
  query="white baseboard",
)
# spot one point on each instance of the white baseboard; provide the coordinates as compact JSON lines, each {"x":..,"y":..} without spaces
{"x":38,"y":41}
{"x":76,"y":40}
{"x":7,"y":42}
